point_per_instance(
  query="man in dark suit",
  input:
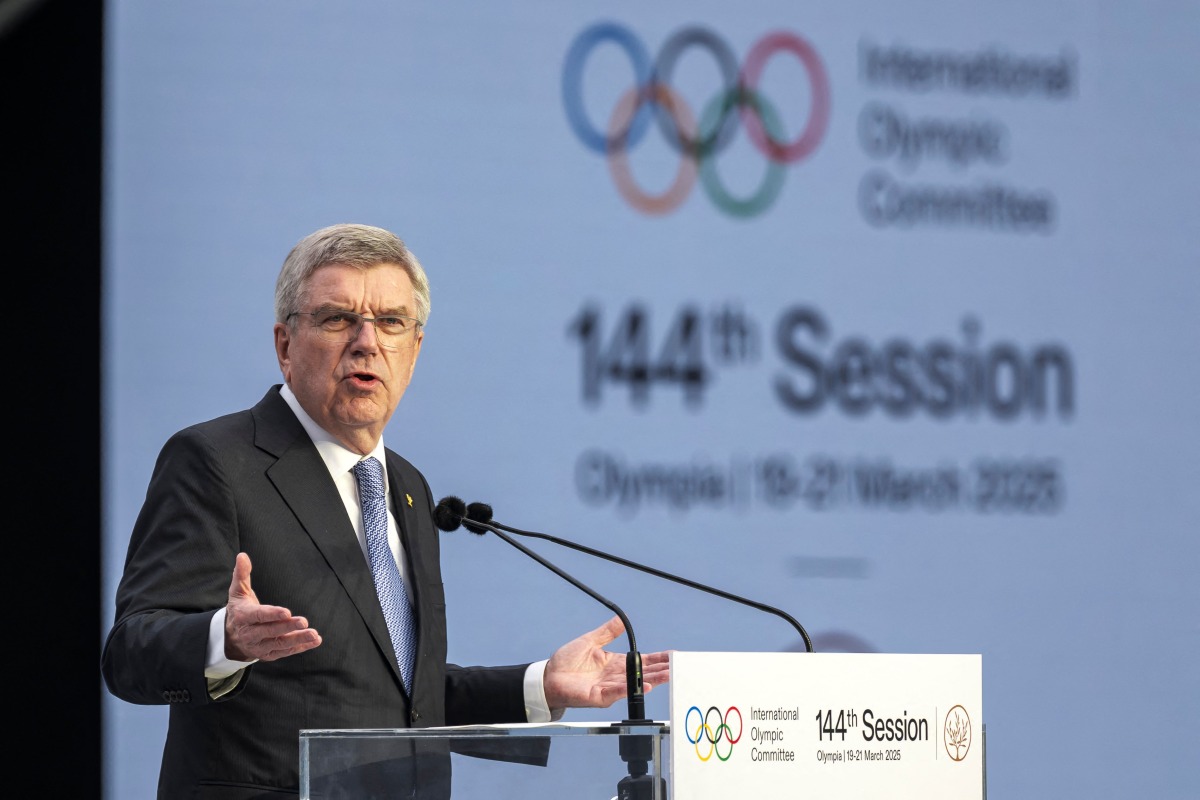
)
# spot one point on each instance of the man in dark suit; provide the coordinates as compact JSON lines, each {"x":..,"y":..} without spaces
{"x":245,"y":665}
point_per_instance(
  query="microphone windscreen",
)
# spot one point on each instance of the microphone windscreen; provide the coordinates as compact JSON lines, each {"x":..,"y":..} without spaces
{"x":479,"y":512}
{"x":448,"y":514}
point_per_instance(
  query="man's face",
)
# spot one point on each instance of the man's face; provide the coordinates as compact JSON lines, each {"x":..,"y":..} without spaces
{"x":350,"y":389}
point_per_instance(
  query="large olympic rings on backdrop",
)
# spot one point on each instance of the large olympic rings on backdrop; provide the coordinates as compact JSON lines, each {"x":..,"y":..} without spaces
{"x":711,"y":734}
{"x":652,"y":99}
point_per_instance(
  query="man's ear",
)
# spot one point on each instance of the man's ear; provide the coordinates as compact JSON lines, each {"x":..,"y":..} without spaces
{"x":416,"y":351}
{"x":283,"y":343}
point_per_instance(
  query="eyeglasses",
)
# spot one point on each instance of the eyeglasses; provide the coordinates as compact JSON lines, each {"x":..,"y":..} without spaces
{"x":339,"y":326}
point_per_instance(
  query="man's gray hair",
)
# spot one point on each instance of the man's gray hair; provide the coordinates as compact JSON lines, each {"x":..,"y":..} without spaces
{"x":361,"y":246}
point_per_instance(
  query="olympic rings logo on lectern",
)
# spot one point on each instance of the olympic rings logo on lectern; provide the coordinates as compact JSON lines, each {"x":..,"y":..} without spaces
{"x":712,"y":729}
{"x":652,"y":100}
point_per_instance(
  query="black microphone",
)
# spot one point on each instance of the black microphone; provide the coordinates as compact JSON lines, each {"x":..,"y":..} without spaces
{"x":480,"y":514}
{"x":449,"y":514}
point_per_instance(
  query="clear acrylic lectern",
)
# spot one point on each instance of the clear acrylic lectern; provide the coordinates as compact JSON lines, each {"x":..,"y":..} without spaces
{"x":571,"y":761}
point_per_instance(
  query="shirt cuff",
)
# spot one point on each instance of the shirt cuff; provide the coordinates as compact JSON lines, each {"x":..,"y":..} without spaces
{"x":216,"y":665}
{"x":536,"y":707}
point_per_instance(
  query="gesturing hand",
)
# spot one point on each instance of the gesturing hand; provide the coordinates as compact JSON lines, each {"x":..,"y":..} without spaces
{"x":257,"y":632}
{"x":582,"y":674}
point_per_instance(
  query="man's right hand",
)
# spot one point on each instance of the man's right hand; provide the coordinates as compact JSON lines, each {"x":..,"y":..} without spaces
{"x":254,"y":632}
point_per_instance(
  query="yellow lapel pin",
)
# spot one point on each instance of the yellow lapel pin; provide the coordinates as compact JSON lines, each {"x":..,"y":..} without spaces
{"x":408,"y":497}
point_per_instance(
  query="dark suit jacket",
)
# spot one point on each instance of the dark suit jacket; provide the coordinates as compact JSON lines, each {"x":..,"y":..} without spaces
{"x":253,"y":481}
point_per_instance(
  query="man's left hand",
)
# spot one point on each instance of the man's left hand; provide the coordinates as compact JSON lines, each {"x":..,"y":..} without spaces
{"x":582,"y":674}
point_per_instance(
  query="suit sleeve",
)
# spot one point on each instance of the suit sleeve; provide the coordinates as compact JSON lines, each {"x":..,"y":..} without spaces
{"x":177,"y":573}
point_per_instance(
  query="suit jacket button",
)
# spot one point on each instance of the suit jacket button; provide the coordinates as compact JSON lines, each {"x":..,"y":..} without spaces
{"x":416,"y":715}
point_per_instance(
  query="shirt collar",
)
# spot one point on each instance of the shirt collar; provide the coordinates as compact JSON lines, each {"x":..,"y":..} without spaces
{"x":336,"y":456}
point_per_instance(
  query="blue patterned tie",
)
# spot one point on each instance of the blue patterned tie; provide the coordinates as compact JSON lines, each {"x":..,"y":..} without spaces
{"x":388,"y":584}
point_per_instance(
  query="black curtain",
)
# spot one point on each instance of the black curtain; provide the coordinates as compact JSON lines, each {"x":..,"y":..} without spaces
{"x":51,"y":60}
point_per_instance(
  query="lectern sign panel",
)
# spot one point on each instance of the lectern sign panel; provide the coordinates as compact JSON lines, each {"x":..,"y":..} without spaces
{"x":862,"y":725}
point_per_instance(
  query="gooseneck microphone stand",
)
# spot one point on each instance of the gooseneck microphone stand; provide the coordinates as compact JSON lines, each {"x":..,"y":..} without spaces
{"x":481,"y":513}
{"x":635,"y":751}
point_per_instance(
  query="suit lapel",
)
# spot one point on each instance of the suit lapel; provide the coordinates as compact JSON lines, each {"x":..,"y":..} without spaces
{"x":303,"y":481}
